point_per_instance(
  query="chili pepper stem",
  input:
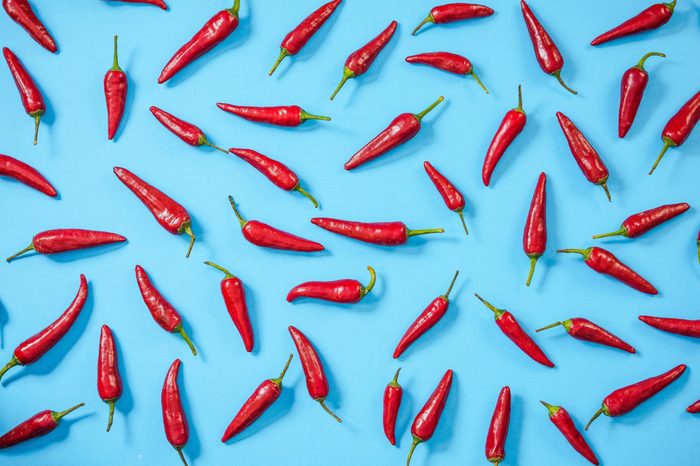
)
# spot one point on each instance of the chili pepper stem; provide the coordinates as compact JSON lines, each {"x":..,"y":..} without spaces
{"x":13,"y":362}
{"x":207,"y":143}
{"x":310,"y":116}
{"x":115,"y":62}
{"x":395,"y":381}
{"x":595,"y":416}
{"x":182,"y":456}
{"x":304,"y":193}
{"x":427,"y":110}
{"x":234,"y":9}
{"x":14,"y":256}
{"x":667,"y":143}
{"x":478,"y":81}
{"x":415,"y":443}
{"x":283,"y":54}
{"x":235,"y":211}
{"x":323,"y":405}
{"x":671,"y":5}
{"x":497,"y":312}
{"x":60,"y":415}
{"x":278,"y":380}
{"x":111,"y":414}
{"x":347,"y":74}
{"x":452,"y":283}
{"x":218,"y":267}
{"x":607,"y":191}
{"x":429,"y":231}
{"x":621,"y":232}
{"x":533,"y":263}
{"x":428,"y":19}
{"x":584,"y":252}
{"x":519,"y":108}
{"x":186,"y":228}
{"x":37,"y":120}
{"x":372,"y":281}
{"x":640,"y":65}
{"x":460,"y":212}
{"x":555,"y":324}
{"x":186,"y":337}
{"x":557,"y":74}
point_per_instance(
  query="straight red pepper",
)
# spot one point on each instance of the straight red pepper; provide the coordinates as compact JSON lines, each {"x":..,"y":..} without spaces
{"x":116,"y":86}
{"x":174,"y":418}
{"x":651,"y":18}
{"x":452,"y":12}
{"x":511,"y":126}
{"x":158,"y":3}
{"x":450,"y":62}
{"x":383,"y":233}
{"x":632,"y":87}
{"x":535,"y":232}
{"x":498,"y":429}
{"x":687,"y":327}
{"x":401,"y":129}
{"x":40,"y":424}
{"x":287,"y":115}
{"x":393,"y":393}
{"x":337,"y":291}
{"x":561,"y":418}
{"x":638,"y":224}
{"x":679,"y":127}
{"x":454,"y":200}
{"x":694,"y":408}
{"x":584,"y":329}
{"x":21,"y":13}
{"x":188,"y":132}
{"x":68,"y":239}
{"x":26,"y":174}
{"x":29,"y":93}
{"x":109,"y":382}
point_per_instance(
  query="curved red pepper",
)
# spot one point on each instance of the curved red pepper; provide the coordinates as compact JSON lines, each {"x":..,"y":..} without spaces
{"x":174,"y":418}
{"x":694,"y":408}
{"x":186,"y":131}
{"x":446,"y":61}
{"x":21,"y":13}
{"x":535,"y":232}
{"x":338,"y":291}
{"x":687,"y":327}
{"x":109,"y":382}
{"x":651,"y":18}
{"x":561,"y":418}
{"x":33,"y":348}
{"x":512,"y":124}
{"x":452,"y":12}
{"x":584,"y":329}
{"x":401,"y":129}
{"x":383,"y":233}
{"x":638,"y":224}
{"x":393,"y":393}
{"x":24,"y":173}
{"x":679,"y":127}
{"x":116,"y":86}
{"x":29,"y":92}
{"x":40,"y":424}
{"x":454,"y":200}
{"x":68,"y":239}
{"x":287,"y":115}
{"x":632,"y":87}
{"x":158,"y":3}
{"x":498,"y":429}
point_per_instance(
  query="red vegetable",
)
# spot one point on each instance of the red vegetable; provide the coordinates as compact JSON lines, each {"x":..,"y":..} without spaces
{"x":694,"y":408}
{"x":679,"y":127}
{"x":289,"y":115}
{"x":446,"y":61}
{"x":116,"y":86}
{"x":634,"y":83}
{"x":512,"y":124}
{"x":427,"y":319}
{"x":535,"y":233}
{"x":21,"y":13}
{"x":450,"y":194}
{"x":40,"y":424}
{"x":316,"y":381}
{"x":584,"y":329}
{"x":68,"y":239}
{"x":638,"y":224}
{"x":161,"y":310}
{"x":300,"y":35}
{"x":338,"y":291}
{"x":498,"y":429}
{"x":29,"y":92}
{"x":625,"y":399}
{"x":384,"y":233}
{"x":33,"y":348}
{"x":20,"y":171}
{"x":452,"y":12}
{"x":561,"y":418}
{"x":687,"y":327}
{"x":188,"y":132}
{"x":653,"y":17}
{"x":393,"y":393}
{"x":512,"y":329}
{"x":158,"y":3}
{"x":174,"y":418}
{"x":109,"y":382}
{"x":546,"y":51}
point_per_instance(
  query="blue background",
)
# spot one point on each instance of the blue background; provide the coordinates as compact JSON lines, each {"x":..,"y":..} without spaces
{"x":355,"y":342}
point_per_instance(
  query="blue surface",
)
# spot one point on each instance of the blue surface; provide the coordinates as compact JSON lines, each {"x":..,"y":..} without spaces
{"x":356,"y":342}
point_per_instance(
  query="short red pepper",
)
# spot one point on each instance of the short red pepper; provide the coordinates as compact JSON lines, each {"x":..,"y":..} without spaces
{"x":338,"y":291}
{"x":393,"y":393}
{"x":584,"y":329}
{"x":632,"y":87}
{"x":511,"y":126}
{"x":116,"y":86}
{"x":40,"y":424}
{"x":498,"y":428}
{"x":651,"y":18}
{"x":29,"y":92}
{"x":174,"y":418}
{"x":450,"y":62}
{"x":454,"y":200}
{"x":24,"y":173}
{"x":383,"y":233}
{"x":109,"y":381}
{"x":21,"y":13}
{"x":687,"y":327}
{"x":638,"y":224}
{"x":189,"y":133}
{"x":68,"y":239}
{"x":561,"y":418}
{"x":535,"y":232}
{"x":679,"y":127}
{"x":452,"y":12}
{"x":287,"y":115}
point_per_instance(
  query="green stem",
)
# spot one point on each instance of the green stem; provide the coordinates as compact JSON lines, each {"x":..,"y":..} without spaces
{"x":278,"y":380}
{"x":640,"y":65}
{"x":304,"y":193}
{"x":429,"y":231}
{"x":207,"y":143}
{"x":323,"y":405}
{"x":235,"y":211}
{"x":218,"y":267}
{"x":428,"y":19}
{"x":283,"y":54}
{"x":186,"y":228}
{"x":604,"y":184}
{"x":555,"y":324}
{"x":478,"y":81}
{"x":37,"y":120}
{"x":111,"y":414}
{"x":115,"y":60}
{"x":27,"y":249}
{"x":347,"y":74}
{"x":667,"y":143}
{"x":671,"y":5}
{"x":60,"y":415}
{"x":595,"y":416}
{"x":310,"y":116}
{"x":497,"y":312}
{"x":557,"y":74}
{"x":13,"y":362}
{"x":186,"y":337}
{"x":427,"y":110}
{"x":372,"y":281}
{"x":584,"y":252}
{"x":446,"y":296}
{"x":234,"y":9}
{"x":460,"y":212}
{"x":416,"y":441}
{"x":519,"y":108}
{"x":395,"y":381}
{"x":182,"y":456}
{"x":552,"y":409}
{"x":533,"y":263}
{"x":621,"y":232}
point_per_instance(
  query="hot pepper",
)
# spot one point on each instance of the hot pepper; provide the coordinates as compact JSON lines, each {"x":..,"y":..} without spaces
{"x":634,"y":83}
{"x":638,"y":224}
{"x":653,"y":17}
{"x":450,"y":62}
{"x":174,"y":418}
{"x":512,"y":124}
{"x":384,"y":233}
{"x":694,"y":408}
{"x":687,"y":327}
{"x":452,"y":12}
{"x":109,"y":382}
{"x":20,"y":171}
{"x":188,"y":132}
{"x":535,"y":232}
{"x":21,"y":13}
{"x":337,"y":291}
{"x":454,"y":200}
{"x":288,"y":115}
{"x":29,"y":92}
{"x":68,"y":239}
{"x":40,"y":424}
{"x":498,"y":429}
{"x":158,"y":3}
{"x":584,"y":329}
{"x":393,"y":393}
{"x":679,"y":127}
{"x":116,"y":87}
{"x":561,"y":418}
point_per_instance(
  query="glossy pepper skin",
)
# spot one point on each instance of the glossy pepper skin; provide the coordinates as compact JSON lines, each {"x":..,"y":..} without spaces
{"x":213,"y":32}
{"x":427,"y":319}
{"x":21,"y":13}
{"x":26,"y":174}
{"x":625,"y":399}
{"x":535,"y":232}
{"x":68,"y":239}
{"x":109,"y":381}
{"x":233,"y":292}
{"x":393,"y":393}
{"x":454,"y":200}
{"x":687,"y":327}
{"x":584,"y":329}
{"x":401,"y":129}
{"x":361,"y":59}
{"x":159,"y":3}
{"x":632,"y":87}
{"x":446,"y":61}
{"x":29,"y":93}
{"x":40,"y":424}
{"x":337,"y":291}
{"x":603,"y":261}
{"x":189,"y":133}
{"x":260,"y":401}
{"x":548,"y":55}
{"x":638,"y":224}
{"x":116,"y":87}
{"x":651,"y":18}
{"x":561,"y":418}
{"x":679,"y":127}
{"x":498,"y":428}
{"x":512,"y":329}
{"x":452,"y":12}
{"x":161,"y":310}
{"x":511,"y":126}
{"x":694,"y":408}
{"x":383,"y":233}
{"x":174,"y":418}
{"x":286,"y":115}
{"x":33,"y":348}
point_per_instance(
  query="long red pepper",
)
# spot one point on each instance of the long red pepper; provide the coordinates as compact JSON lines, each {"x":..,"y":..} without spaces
{"x":427,"y":419}
{"x":109,"y":382}
{"x":24,"y":173}
{"x":116,"y":86}
{"x":21,"y":13}
{"x":266,"y":236}
{"x":233,"y":293}
{"x":213,"y":32}
{"x":68,"y":239}
{"x":384,"y":233}
{"x":174,"y":418}
{"x":625,"y":399}
{"x":632,"y":87}
{"x":535,"y":232}
{"x":561,"y":418}
{"x":452,"y":12}
{"x":427,"y":319}
{"x":498,"y":429}
{"x":277,"y":172}
{"x":679,"y":127}
{"x":651,"y":18}
{"x":401,"y":129}
{"x":29,"y":93}
{"x":512,"y":329}
{"x":687,"y":327}
{"x":361,"y":59}
{"x":262,"y":398}
{"x":316,"y":380}
{"x":168,"y":213}
{"x":188,"y":132}
{"x":40,"y":424}
{"x":286,"y":115}
{"x":33,"y":348}
{"x":638,"y":224}
{"x":584,"y":329}
{"x":158,"y":3}
{"x":297,"y":38}
{"x":338,"y":291}
{"x":694,"y":408}
{"x":161,"y":310}
{"x":586,"y":157}
{"x":393,"y":393}
{"x":603,"y":261}
{"x":512,"y":124}
{"x":450,"y":62}
{"x":454,"y":200}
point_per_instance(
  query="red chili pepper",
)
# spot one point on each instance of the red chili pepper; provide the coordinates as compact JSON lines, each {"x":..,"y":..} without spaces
{"x":584,"y":329}
{"x":188,"y":132}
{"x":586,"y":157}
{"x":694,"y":408}
{"x":625,"y":399}
{"x":29,"y":92}
{"x":426,"y":421}
{"x":653,"y":17}
{"x":512,"y":329}
{"x":109,"y":382}
{"x":679,"y":127}
{"x":603,"y":261}
{"x":535,"y":233}
{"x":561,"y":418}
{"x":21,"y":13}
{"x":174,"y":418}
{"x":288,"y":115}
{"x":430,"y":316}
{"x":634,"y":83}
{"x":361,"y":59}
{"x":446,"y":61}
{"x":546,"y":51}
{"x":262,"y":398}
{"x":337,"y":291}
{"x":169,"y":214}
{"x":158,"y":3}
{"x":498,"y":429}
{"x":638,"y":224}
{"x":68,"y":239}
{"x":40,"y":424}
{"x":116,"y":87}
{"x":316,"y":381}
{"x":384,"y":233}
{"x":20,"y":171}
{"x":687,"y":327}
{"x":277,"y":172}
{"x":233,"y":293}
{"x":213,"y":32}
{"x":300,"y":35}
{"x":266,"y":236}
{"x":393,"y":393}
{"x":401,"y":129}
{"x":512,"y":124}
{"x":454,"y":200}
{"x":33,"y":348}
{"x":452,"y":12}
{"x":161,"y":310}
